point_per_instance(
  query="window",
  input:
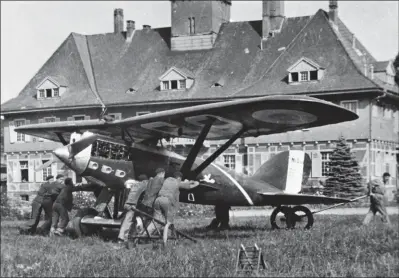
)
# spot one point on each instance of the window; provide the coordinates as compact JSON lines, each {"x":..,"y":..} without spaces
{"x":79,"y":118}
{"x":24,"y":197}
{"x":325,"y":159}
{"x":387,"y":113}
{"x":191,"y":25}
{"x":294,"y":77}
{"x":313,"y":75}
{"x":49,"y":92}
{"x":23,"y":166}
{"x":20,"y":136}
{"x":49,"y":119}
{"x":46,"y":171}
{"x":56,"y":92}
{"x":304,"y":76}
{"x":165,"y":85}
{"x":41,"y":93}
{"x":115,"y":116}
{"x":350,"y":105}
{"x":230,"y":161}
{"x":173,"y":84}
{"x":182,"y":84}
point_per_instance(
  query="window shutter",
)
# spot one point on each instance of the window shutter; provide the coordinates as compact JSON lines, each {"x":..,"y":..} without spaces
{"x":38,"y":174}
{"x":316,"y":163}
{"x":10,"y":171}
{"x":28,"y":138}
{"x":239,"y":163}
{"x":31,"y":170}
{"x":13,"y":134}
{"x":70,"y":119}
{"x":54,"y":169}
{"x":87,"y":117}
{"x":16,"y":171}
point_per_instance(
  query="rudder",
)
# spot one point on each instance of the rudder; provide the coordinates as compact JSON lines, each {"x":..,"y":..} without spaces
{"x":287,"y":171}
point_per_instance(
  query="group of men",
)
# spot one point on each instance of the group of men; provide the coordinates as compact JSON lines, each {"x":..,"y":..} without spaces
{"x":55,"y":199}
{"x":160,"y":200}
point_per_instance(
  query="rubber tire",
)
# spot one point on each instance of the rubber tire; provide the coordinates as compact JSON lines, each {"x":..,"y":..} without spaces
{"x":287,"y":214}
{"x":308,"y":214}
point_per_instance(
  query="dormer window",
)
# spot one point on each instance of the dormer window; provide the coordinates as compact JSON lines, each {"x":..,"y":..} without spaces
{"x":51,"y":87}
{"x":176,"y":79}
{"x":304,"y":70}
{"x":385,"y":71}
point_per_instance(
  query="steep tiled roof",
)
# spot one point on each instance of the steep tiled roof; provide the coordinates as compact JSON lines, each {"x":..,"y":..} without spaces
{"x":65,"y":62}
{"x":103,"y":67}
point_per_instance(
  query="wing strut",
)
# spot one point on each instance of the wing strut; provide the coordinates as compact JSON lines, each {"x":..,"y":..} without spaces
{"x":186,"y":168}
{"x":62,"y":139}
{"x":218,"y":152}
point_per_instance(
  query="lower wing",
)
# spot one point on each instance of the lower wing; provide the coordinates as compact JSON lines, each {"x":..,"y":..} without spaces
{"x":298,"y":199}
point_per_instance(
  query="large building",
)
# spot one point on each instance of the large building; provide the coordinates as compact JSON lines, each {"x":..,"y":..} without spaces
{"x":204,"y":58}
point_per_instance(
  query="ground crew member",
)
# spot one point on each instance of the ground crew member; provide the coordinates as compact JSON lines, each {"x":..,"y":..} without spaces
{"x":31,"y":225}
{"x":62,"y":204}
{"x":48,"y":200}
{"x":376,"y":192}
{"x":151,"y":193}
{"x":167,"y":202}
{"x":136,"y":189}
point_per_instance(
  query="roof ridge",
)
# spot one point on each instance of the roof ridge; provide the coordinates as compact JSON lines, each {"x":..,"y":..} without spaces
{"x":340,"y":41}
{"x":89,"y":70}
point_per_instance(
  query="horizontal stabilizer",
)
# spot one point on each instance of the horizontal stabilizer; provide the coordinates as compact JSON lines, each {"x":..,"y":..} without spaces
{"x":299,"y":199}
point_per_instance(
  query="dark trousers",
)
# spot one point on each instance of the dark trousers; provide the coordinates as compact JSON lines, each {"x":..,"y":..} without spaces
{"x":47,"y":206}
{"x":60,"y":217}
{"x":31,"y":225}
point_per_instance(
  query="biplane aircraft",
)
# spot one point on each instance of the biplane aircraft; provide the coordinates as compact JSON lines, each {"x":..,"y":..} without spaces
{"x":110,"y":152}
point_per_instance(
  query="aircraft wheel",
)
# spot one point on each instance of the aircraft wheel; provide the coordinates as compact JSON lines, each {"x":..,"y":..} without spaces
{"x":281,"y":217}
{"x":302,"y":217}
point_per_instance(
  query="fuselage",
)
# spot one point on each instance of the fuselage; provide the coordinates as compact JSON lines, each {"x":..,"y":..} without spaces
{"x":112,"y":163}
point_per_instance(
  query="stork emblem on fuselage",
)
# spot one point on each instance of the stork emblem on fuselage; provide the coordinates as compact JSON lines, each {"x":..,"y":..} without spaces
{"x":207,"y":178}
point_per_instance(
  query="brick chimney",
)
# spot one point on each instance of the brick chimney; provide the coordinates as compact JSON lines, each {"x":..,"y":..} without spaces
{"x":333,"y":11}
{"x":130,"y":26}
{"x":118,"y":21}
{"x":273,"y":17}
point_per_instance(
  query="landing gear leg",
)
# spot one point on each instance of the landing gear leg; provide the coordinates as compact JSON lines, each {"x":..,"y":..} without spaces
{"x":222,"y":218}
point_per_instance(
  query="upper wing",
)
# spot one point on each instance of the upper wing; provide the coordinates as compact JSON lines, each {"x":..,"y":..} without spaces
{"x":298,"y":199}
{"x":256,"y":116}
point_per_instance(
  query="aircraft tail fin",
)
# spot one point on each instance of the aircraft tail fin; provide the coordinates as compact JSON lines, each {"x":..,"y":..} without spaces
{"x":287,"y":171}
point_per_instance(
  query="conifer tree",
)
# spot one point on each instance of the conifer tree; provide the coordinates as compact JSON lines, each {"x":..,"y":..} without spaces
{"x":344,"y":179}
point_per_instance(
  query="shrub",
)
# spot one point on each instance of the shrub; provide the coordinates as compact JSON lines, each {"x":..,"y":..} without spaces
{"x":13,"y":208}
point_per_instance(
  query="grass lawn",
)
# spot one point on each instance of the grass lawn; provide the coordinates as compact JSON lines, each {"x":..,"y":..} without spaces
{"x":335,"y":246}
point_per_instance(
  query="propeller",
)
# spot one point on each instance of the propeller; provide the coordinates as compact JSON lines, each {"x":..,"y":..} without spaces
{"x":80,"y":145}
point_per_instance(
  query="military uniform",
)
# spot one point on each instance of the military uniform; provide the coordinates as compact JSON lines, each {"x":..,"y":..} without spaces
{"x":167,"y":202}
{"x":132,"y":200}
{"x":376,"y":192}
{"x":37,"y":207}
